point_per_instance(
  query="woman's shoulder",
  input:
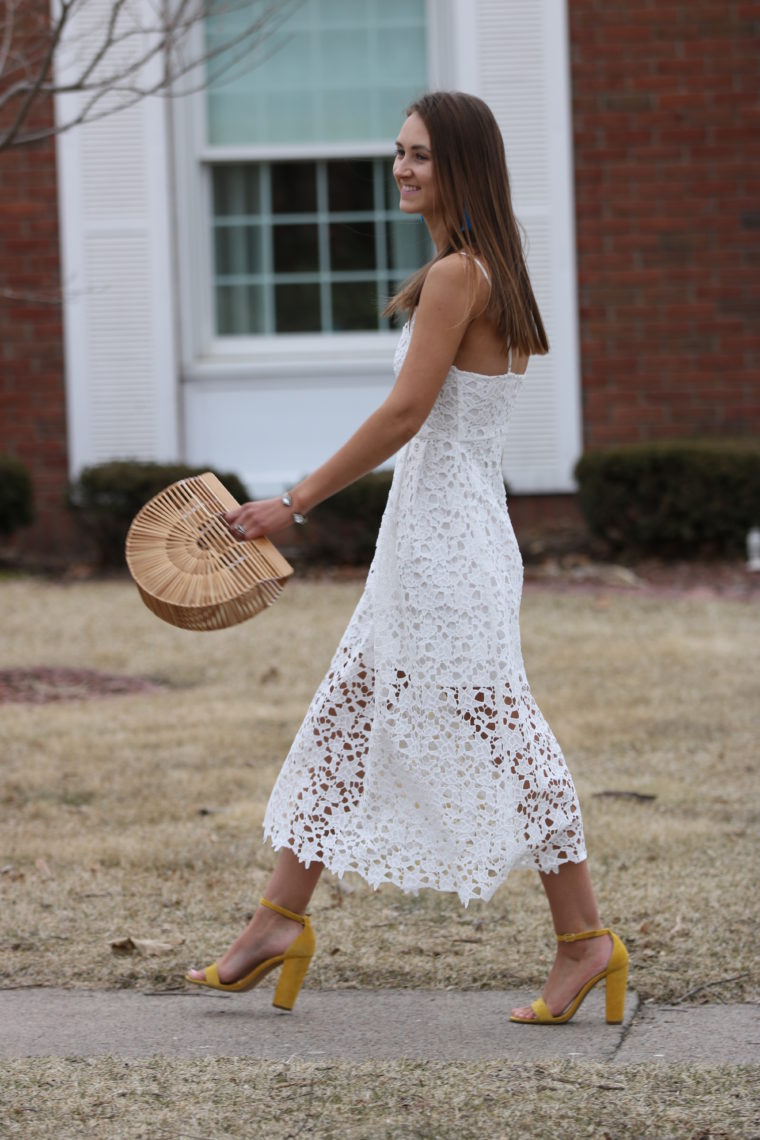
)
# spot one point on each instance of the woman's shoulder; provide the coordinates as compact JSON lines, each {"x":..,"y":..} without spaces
{"x":455,"y":272}
{"x":450,"y":269}
{"x":451,"y":288}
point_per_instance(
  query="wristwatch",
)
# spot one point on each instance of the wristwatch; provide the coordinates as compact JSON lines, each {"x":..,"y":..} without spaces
{"x":287,"y":501}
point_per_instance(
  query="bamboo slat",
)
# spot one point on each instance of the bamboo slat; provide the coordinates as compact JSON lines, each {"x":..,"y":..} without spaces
{"x":189,"y":569}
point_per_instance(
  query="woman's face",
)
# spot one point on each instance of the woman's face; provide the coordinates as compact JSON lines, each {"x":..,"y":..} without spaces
{"x":413,"y":168}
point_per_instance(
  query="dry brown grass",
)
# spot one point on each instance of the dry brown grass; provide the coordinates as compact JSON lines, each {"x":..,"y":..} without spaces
{"x":141,"y":814}
{"x":67,"y":1099}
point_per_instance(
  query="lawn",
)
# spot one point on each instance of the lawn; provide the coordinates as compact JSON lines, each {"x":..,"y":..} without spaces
{"x":139,"y":815}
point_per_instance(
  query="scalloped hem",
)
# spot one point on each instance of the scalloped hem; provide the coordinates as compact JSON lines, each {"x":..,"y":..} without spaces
{"x":411,"y":882}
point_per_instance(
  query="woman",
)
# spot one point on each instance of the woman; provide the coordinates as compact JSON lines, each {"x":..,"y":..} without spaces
{"x":423,"y":760}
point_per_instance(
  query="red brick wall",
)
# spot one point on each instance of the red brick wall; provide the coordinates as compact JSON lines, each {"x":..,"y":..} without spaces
{"x":665,"y":116}
{"x":32,"y":394}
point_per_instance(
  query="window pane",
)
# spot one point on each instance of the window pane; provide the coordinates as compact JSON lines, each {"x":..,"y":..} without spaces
{"x":237,"y":250}
{"x":355,"y":306}
{"x":337,"y":12}
{"x":345,"y":52}
{"x":334,"y":69}
{"x":225,"y":319}
{"x":392,"y":196}
{"x":239,"y":310}
{"x":294,"y":188}
{"x":351,"y":185}
{"x":345,"y":115}
{"x":409,"y":245}
{"x":297,"y":308}
{"x":296,"y":249}
{"x":291,"y":64}
{"x":398,"y":319}
{"x":407,"y":50}
{"x":236,"y":190}
{"x":352,"y":246}
{"x":399,"y":13}
{"x":280,"y":110}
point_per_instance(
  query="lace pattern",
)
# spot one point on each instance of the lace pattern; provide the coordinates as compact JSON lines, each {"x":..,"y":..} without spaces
{"x":424,"y":760}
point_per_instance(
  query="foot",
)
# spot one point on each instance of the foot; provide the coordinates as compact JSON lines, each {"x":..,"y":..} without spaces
{"x":267,"y":935}
{"x":575,"y":965}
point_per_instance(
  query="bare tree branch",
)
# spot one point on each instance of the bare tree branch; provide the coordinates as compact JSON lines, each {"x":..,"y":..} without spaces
{"x":7,"y":37}
{"x":36,"y":84}
{"x":107,"y":54}
{"x":106,"y":46}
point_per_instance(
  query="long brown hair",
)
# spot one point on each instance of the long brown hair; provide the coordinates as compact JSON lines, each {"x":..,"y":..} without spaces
{"x":472,"y":183}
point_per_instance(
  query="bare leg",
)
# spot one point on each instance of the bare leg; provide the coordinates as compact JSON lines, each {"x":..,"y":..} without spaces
{"x":573,"y":908}
{"x":291,"y":885}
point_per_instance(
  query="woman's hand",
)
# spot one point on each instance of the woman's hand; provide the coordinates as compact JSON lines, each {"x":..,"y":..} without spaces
{"x":256,"y":519}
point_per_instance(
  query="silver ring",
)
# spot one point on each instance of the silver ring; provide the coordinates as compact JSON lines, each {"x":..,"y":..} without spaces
{"x":240,"y":529}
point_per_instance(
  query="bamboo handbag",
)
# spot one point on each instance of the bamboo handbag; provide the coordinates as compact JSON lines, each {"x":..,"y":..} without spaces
{"x":189,"y":569}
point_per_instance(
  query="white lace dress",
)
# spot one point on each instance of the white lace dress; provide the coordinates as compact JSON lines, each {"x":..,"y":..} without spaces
{"x":423,"y":759}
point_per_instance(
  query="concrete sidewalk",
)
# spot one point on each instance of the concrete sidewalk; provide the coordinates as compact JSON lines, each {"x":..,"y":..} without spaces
{"x":358,"y":1025}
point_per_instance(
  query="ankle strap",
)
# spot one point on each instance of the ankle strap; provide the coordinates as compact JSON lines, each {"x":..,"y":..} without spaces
{"x":285,"y":913}
{"x":583,"y":934}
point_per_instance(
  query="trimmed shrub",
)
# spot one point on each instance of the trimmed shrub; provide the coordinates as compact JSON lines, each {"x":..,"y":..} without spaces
{"x":342,"y":531}
{"x":681,"y":498}
{"x":107,"y":497}
{"x":16,"y":495}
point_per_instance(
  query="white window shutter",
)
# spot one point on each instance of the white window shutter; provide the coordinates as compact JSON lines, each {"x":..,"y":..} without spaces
{"x":514,"y":54}
{"x":117,"y":271}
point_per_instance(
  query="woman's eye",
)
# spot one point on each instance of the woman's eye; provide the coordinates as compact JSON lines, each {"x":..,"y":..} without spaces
{"x":414,"y":157}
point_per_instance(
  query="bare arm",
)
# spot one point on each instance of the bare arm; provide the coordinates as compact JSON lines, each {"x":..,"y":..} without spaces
{"x":440,"y":323}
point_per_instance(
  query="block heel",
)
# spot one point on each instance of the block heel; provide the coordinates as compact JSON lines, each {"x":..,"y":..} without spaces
{"x":290,"y":981}
{"x":615,"y":987}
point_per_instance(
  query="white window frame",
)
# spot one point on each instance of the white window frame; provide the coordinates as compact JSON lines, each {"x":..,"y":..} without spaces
{"x":205,"y":354}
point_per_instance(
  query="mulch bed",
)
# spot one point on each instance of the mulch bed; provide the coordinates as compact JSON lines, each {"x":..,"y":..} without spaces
{"x":42,"y":684}
{"x":655,"y":578}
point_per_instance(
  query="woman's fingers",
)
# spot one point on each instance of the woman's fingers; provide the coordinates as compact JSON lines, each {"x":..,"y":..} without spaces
{"x":235,"y":520}
{"x":255,"y":519}
{"x":235,"y":524}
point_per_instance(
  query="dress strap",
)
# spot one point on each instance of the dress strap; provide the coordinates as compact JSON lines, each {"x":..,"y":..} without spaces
{"x":509,"y":359}
{"x":479,"y":263}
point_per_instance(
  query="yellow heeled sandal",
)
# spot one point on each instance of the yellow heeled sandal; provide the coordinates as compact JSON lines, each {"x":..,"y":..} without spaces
{"x":615,"y":975}
{"x":295,"y":962}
